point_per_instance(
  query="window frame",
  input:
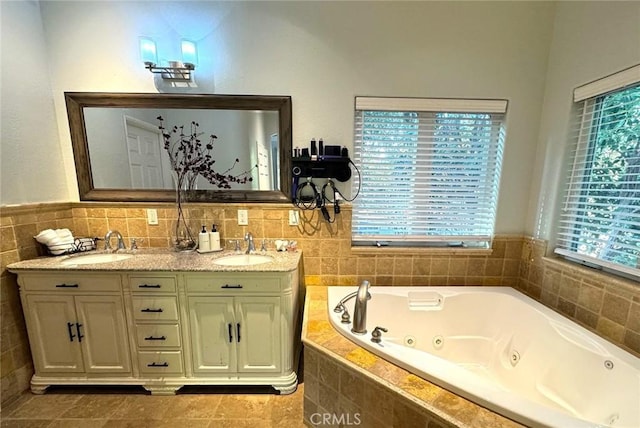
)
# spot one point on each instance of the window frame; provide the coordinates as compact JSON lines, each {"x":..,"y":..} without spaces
{"x":492,"y":167}
{"x":566,"y":237}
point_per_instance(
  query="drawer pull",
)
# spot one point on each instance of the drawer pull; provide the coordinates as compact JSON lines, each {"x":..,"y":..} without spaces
{"x":231,"y":286}
{"x":149,"y":286}
{"x":66,"y":285}
{"x":230,"y":333}
{"x":70,"y":329}
{"x":238,"y":330}
{"x":151,"y":310}
{"x":165,"y":364}
{"x":155,"y":338}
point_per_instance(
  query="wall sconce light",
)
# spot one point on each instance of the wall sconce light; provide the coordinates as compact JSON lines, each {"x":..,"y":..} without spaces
{"x":176,"y":71}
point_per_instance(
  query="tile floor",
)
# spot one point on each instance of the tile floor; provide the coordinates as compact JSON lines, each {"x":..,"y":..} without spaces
{"x":113,"y":408}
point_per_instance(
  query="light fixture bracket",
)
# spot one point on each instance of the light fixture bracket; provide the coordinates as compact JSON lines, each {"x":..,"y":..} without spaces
{"x":176,"y":72}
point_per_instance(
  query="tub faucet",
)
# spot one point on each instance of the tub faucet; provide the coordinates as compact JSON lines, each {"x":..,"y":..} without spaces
{"x":360,"y":309}
{"x":251,"y":247}
{"x":107,"y":240}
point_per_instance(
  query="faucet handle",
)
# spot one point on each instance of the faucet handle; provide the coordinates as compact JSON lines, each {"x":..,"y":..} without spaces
{"x":263,"y":247}
{"x":376,"y":334}
{"x":134,"y":242}
{"x":236,"y":244}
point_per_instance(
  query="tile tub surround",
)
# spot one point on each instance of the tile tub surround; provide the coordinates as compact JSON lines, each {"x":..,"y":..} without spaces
{"x":604,"y":303}
{"x":345,"y":380}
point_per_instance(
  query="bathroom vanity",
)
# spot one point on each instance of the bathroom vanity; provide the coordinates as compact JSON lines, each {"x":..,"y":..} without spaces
{"x":162,"y":320}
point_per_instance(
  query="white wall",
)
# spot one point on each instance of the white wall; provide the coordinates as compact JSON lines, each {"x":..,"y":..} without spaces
{"x":591,"y":40}
{"x":31,"y":159}
{"x":322,"y":54}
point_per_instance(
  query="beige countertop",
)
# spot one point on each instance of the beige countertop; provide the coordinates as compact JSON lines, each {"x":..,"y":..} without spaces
{"x":161,"y":260}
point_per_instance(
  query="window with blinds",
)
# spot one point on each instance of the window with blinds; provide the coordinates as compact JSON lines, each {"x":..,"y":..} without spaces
{"x":430,"y":170}
{"x":600,"y":218}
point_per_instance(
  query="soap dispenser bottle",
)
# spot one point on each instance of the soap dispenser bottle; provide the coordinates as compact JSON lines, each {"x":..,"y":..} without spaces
{"x":203,"y":240}
{"x":214,"y":239}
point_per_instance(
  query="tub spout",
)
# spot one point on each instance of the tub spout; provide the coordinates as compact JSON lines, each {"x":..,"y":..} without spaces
{"x":360,"y":309}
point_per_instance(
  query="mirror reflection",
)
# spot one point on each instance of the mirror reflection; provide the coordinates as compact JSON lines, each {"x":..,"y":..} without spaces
{"x":121,"y":154}
{"x":127,"y":149}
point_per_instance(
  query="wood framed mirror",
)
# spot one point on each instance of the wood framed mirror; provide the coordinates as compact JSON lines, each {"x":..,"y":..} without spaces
{"x":111,"y":131}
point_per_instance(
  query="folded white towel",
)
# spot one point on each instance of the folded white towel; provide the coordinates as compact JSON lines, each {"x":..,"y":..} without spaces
{"x":64,"y":234}
{"x":46,"y":236}
{"x":58,"y":241}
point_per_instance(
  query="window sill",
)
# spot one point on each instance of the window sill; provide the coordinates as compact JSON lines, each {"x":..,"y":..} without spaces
{"x":419,"y":251}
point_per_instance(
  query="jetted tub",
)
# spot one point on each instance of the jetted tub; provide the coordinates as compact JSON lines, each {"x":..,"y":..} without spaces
{"x":503,"y":350}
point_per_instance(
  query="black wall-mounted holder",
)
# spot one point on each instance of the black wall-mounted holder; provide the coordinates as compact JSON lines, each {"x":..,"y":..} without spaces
{"x":323,"y":167}
{"x":306,"y":194}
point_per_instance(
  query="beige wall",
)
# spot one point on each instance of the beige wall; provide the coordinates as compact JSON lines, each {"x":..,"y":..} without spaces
{"x":590,"y":40}
{"x":323,"y":54}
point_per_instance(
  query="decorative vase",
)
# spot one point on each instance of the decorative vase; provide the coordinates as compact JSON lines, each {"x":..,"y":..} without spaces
{"x":183,"y":238}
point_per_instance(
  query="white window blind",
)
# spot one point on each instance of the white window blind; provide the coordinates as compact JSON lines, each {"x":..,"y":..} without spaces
{"x":430,"y":170}
{"x":600,"y":219}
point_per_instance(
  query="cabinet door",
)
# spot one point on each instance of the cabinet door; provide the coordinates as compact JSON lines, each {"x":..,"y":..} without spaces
{"x":213,"y":334}
{"x":258,"y":334}
{"x":104,"y":337}
{"x":53,"y":334}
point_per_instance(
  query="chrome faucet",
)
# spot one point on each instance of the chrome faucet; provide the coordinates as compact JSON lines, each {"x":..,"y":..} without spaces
{"x":251,"y":247}
{"x":107,"y":240}
{"x":360,"y":309}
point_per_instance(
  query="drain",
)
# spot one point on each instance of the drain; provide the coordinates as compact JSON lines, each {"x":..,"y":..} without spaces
{"x":438,"y":342}
{"x":514,"y":358}
{"x":608,"y":364}
{"x":410,"y":341}
{"x":613,"y":418}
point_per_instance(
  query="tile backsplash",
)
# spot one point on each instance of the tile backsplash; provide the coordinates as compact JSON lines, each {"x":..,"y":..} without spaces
{"x":606,"y":304}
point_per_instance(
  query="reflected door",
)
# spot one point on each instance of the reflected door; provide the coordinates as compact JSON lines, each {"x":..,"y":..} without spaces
{"x":145,"y":162}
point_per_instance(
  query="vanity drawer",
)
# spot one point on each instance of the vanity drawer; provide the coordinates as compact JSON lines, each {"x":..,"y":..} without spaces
{"x":70,"y":282}
{"x":160,"y":362}
{"x":150,"y":308}
{"x":237,"y":284}
{"x":158,"y":335}
{"x":158,"y":284}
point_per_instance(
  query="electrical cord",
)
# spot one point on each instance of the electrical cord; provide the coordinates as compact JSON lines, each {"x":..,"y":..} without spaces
{"x":307,"y":196}
{"x":308,"y":201}
{"x":334,"y":200}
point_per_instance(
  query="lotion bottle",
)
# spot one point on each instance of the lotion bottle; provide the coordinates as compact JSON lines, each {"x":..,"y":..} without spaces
{"x":203,"y":240}
{"x":214,"y":239}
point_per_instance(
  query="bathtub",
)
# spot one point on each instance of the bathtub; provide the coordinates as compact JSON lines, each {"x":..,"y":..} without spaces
{"x":502,"y":350}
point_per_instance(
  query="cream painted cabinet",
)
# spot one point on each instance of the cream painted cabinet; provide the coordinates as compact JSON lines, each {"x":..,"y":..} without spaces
{"x":235,"y":334}
{"x":258,"y":334}
{"x":77,"y":327}
{"x":162,"y":330}
{"x":243,"y":327}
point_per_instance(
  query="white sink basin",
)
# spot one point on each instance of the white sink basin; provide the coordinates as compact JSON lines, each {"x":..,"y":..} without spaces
{"x":242,"y":260}
{"x":90,"y":259}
